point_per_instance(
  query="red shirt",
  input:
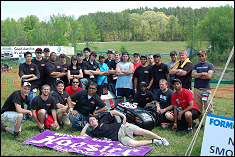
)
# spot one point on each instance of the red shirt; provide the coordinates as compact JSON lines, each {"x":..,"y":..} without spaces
{"x":136,"y":65}
{"x":182,"y":100}
{"x":70,"y":90}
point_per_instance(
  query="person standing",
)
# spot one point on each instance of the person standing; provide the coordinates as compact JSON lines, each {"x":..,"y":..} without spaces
{"x":13,"y":110}
{"x":65,"y":66}
{"x":143,"y":73}
{"x":183,"y":70}
{"x":170,"y":65}
{"x":43,"y":110}
{"x":136,"y":63}
{"x":74,"y":70}
{"x":86,"y":53}
{"x":160,"y":71}
{"x":104,"y":69}
{"x":151,"y":60}
{"x":80,"y":60}
{"x":124,"y":70}
{"x":185,"y":108}
{"x":202,"y":72}
{"x":46,"y":53}
{"x":40,"y":62}
{"x":54,"y":71}
{"x":110,"y":57}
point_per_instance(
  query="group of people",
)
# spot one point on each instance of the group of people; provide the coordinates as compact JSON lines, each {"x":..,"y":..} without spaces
{"x":61,"y":101}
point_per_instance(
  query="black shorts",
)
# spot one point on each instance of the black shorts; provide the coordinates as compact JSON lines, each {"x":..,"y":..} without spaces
{"x":182,"y":124}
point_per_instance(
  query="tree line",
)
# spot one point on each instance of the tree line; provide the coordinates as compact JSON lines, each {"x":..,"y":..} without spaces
{"x":142,"y":24}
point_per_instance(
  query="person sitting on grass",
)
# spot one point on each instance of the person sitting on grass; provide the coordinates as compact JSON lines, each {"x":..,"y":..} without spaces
{"x":43,"y":109}
{"x":13,"y":110}
{"x":122,"y":132}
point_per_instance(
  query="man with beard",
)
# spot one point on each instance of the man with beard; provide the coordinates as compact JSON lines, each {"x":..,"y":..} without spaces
{"x":43,"y":109}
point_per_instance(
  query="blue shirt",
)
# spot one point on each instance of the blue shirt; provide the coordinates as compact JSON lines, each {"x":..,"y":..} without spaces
{"x":199,"y":68}
{"x":103,"y":68}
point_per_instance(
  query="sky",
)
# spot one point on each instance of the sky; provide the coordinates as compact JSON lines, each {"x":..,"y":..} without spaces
{"x":43,"y":9}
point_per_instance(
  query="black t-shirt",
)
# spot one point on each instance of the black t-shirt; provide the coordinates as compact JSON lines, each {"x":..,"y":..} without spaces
{"x":60,"y":98}
{"x":88,"y":66}
{"x":107,"y":61}
{"x":85,"y":60}
{"x":74,"y":72}
{"x":164,"y":99}
{"x":106,"y":128}
{"x":41,"y":67}
{"x":49,"y":68}
{"x":15,"y":97}
{"x":65,"y":78}
{"x":26,"y":69}
{"x":38,"y":103}
{"x":112,"y":65}
{"x":85,"y":106}
{"x":143,"y":74}
{"x":142,"y":100}
{"x":159,"y":72}
{"x":187,"y":79}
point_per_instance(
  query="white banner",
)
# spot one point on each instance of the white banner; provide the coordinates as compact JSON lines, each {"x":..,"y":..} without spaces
{"x":218,"y":137}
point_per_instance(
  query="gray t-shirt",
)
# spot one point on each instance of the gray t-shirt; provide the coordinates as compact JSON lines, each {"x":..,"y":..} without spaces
{"x":170,"y":66}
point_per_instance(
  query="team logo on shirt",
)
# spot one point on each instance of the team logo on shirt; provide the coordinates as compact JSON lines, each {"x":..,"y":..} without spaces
{"x":92,"y":102}
{"x":48,"y":104}
{"x":95,"y":67}
{"x":65,"y":68}
{"x":32,"y":69}
{"x":146,"y":72}
{"x":147,"y":98}
{"x":58,"y":66}
{"x":42,"y":65}
{"x":159,"y":69}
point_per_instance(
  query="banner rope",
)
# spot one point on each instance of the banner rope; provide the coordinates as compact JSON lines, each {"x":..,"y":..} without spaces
{"x":200,"y":124}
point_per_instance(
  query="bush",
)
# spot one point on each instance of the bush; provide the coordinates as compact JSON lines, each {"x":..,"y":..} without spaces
{"x":122,"y":49}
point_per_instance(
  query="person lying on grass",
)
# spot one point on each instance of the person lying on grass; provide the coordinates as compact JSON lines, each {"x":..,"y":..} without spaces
{"x":124,"y":133}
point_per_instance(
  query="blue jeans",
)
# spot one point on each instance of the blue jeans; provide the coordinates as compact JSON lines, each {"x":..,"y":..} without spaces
{"x":31,"y":95}
{"x":155,"y":92}
{"x":74,"y":120}
{"x":113,"y":88}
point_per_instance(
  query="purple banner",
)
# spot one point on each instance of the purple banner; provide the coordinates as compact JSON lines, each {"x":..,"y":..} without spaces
{"x":84,"y":145}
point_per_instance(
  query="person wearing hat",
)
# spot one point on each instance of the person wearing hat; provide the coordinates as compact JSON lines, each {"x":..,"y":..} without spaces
{"x":110,"y":57}
{"x":74,"y":70}
{"x":160,"y":71}
{"x":185,"y":108}
{"x":91,"y":71}
{"x":144,"y":97}
{"x":29,"y":72}
{"x":87,"y":53}
{"x":183,"y":70}
{"x":143,"y":73}
{"x":46,"y":53}
{"x":80,"y":60}
{"x":104,"y":69}
{"x":202,"y":72}
{"x":124,"y":70}
{"x":170,"y":65}
{"x":13,"y":109}
{"x":65,"y":66}
{"x":40,"y":62}
{"x":44,"y":110}
{"x":136,"y":63}
{"x":54,"y":71}
{"x":61,"y":97}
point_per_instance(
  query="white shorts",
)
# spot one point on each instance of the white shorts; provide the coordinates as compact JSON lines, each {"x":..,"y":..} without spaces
{"x":11,"y":117}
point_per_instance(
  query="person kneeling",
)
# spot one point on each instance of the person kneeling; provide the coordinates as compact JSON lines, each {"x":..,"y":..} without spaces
{"x":124,"y":133}
{"x":43,"y":109}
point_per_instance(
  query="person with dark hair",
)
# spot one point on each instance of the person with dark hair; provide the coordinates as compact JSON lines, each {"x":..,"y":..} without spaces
{"x":65,"y":66}
{"x":29,"y":72}
{"x":124,"y":70}
{"x":13,"y":110}
{"x":104,"y":69}
{"x":122,"y":132}
{"x":110,"y":57}
{"x":74,"y":70}
{"x":86,"y":103}
{"x":171,"y":64}
{"x":40,"y":62}
{"x":74,"y":87}
{"x":54,"y":71}
{"x":80,"y":60}
{"x":46,"y":52}
{"x":86,"y":53}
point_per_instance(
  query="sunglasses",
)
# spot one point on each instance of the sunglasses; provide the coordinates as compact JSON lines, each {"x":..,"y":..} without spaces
{"x":92,"y":88}
{"x":39,"y":52}
{"x":75,"y":82}
{"x":136,"y":56}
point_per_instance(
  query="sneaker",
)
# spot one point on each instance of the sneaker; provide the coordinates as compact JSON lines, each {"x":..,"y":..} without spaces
{"x":202,"y":126}
{"x":17,"y":137}
{"x":190,"y":132}
{"x":156,"y":142}
{"x":41,"y":130}
{"x":61,"y":124}
{"x":194,"y":123}
{"x":164,"y":141}
{"x":73,"y":130}
{"x":3,"y":127}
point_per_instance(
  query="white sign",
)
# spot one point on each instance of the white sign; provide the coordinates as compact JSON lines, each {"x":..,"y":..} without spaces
{"x":218,"y":137}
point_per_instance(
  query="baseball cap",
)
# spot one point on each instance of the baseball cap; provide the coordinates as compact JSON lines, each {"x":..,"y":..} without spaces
{"x":143,"y":83}
{"x":156,"y":55}
{"x":109,"y":51}
{"x":136,"y":53}
{"x":62,"y":55}
{"x":46,"y":50}
{"x":202,"y":52}
{"x":143,"y":55}
{"x":38,"y":50}
{"x":125,"y":53}
{"x":101,"y":56}
{"x":59,"y":81}
{"x":80,"y":53}
{"x":26,"y":84}
{"x":176,"y":80}
{"x":74,"y":57}
{"x":94,"y":53}
{"x":173,"y":53}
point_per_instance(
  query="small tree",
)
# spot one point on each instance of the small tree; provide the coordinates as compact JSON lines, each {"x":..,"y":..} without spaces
{"x":122,"y":49}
